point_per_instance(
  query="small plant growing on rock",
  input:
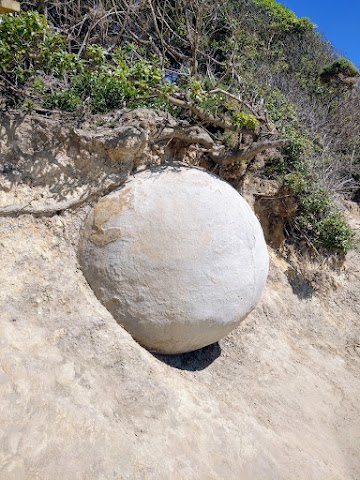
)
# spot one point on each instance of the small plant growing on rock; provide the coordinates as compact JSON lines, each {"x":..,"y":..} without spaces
{"x":340,"y":72}
{"x":65,"y":100}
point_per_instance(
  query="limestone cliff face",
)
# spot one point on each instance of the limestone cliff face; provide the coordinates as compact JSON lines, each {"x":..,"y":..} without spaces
{"x":79,"y":398}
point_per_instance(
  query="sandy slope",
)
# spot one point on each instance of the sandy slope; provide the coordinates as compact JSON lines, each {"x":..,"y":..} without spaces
{"x":80,"y":400}
{"x":277,"y":399}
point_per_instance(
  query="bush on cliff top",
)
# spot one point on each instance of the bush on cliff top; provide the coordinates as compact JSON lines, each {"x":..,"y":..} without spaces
{"x":248,"y":66}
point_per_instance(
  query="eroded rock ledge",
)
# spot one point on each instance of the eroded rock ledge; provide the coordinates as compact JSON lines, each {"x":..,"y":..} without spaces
{"x":51,"y":164}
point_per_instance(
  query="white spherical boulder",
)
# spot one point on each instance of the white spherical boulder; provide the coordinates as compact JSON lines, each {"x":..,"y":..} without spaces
{"x":177,"y":257}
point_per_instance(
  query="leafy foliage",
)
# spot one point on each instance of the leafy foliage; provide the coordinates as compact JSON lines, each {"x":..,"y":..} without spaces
{"x":341,"y":65}
{"x":65,"y":100}
{"x":317,"y":219}
{"x":243,"y":119}
{"x":283,"y":18}
{"x":28,"y":44}
{"x":237,"y":66}
{"x":114,"y":83}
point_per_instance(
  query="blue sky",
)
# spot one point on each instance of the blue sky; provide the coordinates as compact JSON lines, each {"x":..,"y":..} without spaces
{"x":338,"y":21}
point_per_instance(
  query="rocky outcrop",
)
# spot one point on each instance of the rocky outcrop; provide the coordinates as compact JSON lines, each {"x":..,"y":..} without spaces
{"x":52,"y":164}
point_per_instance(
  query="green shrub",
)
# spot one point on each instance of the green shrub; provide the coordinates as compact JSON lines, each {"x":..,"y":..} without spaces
{"x":126,"y":77}
{"x":66,"y":100}
{"x":283,"y":18}
{"x":317,"y":219}
{"x":110,"y":85}
{"x":104,"y":90}
{"x":28,"y":45}
{"x":38,"y":86}
{"x":95,"y":55}
{"x":296,"y":181}
{"x":20,"y":37}
{"x":335,"y":234}
{"x":340,"y":65}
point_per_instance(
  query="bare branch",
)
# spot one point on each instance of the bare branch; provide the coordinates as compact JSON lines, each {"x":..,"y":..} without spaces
{"x":248,"y":153}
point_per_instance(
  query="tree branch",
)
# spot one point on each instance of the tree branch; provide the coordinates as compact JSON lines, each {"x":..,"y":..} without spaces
{"x":204,"y":115}
{"x":248,"y":153}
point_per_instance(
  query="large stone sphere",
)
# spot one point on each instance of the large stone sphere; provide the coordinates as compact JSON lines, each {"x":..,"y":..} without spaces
{"x":177,"y":257}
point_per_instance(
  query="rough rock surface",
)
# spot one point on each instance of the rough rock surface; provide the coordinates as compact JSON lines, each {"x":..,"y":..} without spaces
{"x":177,"y":257}
{"x":277,"y":399}
{"x":49,"y":165}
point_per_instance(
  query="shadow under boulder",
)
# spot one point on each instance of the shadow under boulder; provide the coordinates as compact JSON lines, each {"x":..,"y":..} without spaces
{"x":192,"y":361}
